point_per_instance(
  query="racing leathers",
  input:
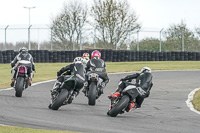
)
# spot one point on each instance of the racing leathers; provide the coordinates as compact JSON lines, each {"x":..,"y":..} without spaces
{"x":143,"y":85}
{"x":22,"y":56}
{"x":75,"y":71}
{"x":98,"y":66}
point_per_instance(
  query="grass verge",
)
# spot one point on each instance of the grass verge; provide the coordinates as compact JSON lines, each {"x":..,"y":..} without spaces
{"x":48,"y":71}
{"x":11,"y":129}
{"x":196,"y":100}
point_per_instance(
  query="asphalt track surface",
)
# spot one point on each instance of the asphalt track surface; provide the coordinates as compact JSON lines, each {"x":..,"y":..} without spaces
{"x":165,"y":111}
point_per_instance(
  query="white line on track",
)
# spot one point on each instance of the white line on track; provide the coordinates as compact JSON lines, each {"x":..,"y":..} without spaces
{"x":31,"y":85}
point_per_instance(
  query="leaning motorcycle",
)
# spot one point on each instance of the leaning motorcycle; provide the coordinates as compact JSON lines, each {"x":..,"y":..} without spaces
{"x":64,"y":95}
{"x":120,"y":104}
{"x":22,"y":80}
{"x":94,"y":89}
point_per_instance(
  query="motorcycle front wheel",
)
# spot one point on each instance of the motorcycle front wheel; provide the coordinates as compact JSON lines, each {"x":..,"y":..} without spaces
{"x":58,"y":102}
{"x":123,"y":103}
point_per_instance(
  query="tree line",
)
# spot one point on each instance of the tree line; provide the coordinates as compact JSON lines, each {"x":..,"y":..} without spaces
{"x":109,"y":24}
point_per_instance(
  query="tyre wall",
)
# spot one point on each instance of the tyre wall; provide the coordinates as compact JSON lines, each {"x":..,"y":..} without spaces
{"x":45,"y":56}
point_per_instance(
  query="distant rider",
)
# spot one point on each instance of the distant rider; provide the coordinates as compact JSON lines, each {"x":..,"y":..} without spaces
{"x":75,"y":71}
{"x":98,"y":65}
{"x":143,"y":85}
{"x":86,"y":58}
{"x":23,"y":55}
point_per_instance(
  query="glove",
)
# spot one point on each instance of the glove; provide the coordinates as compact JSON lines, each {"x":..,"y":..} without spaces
{"x":58,"y":74}
{"x":122,"y":79}
{"x":12,"y":65}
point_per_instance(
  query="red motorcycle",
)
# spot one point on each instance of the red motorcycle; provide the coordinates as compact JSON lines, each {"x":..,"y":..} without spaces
{"x":120,"y":104}
{"x":22,"y":80}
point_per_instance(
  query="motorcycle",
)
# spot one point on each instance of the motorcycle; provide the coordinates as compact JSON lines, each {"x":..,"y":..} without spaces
{"x":63,"y":95}
{"x":94,"y":90}
{"x":121,"y":103}
{"x":21,"y":81}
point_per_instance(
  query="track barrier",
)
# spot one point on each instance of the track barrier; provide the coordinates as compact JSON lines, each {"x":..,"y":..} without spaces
{"x":45,"y":56}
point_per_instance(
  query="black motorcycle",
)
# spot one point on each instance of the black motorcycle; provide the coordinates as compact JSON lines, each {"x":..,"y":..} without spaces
{"x":120,"y":104}
{"x":94,"y":89}
{"x":21,"y":81}
{"x":64,"y":95}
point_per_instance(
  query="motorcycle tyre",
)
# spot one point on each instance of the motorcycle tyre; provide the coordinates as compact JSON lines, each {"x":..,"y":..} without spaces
{"x":119,"y":107}
{"x":56,"y":104}
{"x":92,"y":94}
{"x":19,"y":87}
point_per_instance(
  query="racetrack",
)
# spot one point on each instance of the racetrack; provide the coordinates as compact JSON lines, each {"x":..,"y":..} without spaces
{"x":163,"y":112}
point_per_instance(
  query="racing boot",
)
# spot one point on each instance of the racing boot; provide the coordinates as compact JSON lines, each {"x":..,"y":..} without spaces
{"x":101,"y":86}
{"x":130,"y":106}
{"x":73,"y":96}
{"x":12,"y":82}
{"x":30,"y":81}
{"x":85,"y":87}
{"x":113,"y":96}
{"x":116,"y":94}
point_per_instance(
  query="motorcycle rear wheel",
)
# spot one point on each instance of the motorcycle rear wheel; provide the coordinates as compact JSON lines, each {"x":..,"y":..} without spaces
{"x":58,"y":102}
{"x":92,"y":94}
{"x":123,"y":103}
{"x":19,"y":87}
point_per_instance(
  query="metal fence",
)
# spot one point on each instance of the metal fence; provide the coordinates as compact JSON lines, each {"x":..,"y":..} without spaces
{"x":42,"y":33}
{"x":24,"y":33}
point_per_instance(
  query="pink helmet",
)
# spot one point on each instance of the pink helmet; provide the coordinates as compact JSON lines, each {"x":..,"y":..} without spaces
{"x":96,"y":53}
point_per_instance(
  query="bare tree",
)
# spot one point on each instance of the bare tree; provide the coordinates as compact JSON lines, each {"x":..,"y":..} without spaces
{"x":113,"y":21}
{"x":67,"y":26}
{"x":197,"y":31}
{"x":179,"y":37}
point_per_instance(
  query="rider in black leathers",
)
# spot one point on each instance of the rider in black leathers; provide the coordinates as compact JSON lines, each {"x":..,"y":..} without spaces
{"x":76,"y":71}
{"x":143,"y":85}
{"x":23,"y":55}
{"x":98,"y":65}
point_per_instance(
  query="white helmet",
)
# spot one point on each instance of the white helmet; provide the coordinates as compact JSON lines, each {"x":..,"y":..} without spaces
{"x":78,"y":60}
{"x":85,"y":60}
{"x":23,"y":49}
{"x":146,"y":69}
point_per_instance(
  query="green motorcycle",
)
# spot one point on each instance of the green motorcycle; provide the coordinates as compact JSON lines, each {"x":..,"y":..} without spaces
{"x":64,"y":95}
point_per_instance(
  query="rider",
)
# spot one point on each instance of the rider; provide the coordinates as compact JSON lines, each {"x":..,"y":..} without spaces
{"x":98,"y":65}
{"x":143,"y":85}
{"x":72,"y":71}
{"x":23,"y":55}
{"x":86,"y":58}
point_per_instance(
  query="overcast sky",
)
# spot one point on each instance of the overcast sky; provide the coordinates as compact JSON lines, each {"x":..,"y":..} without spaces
{"x":151,"y":13}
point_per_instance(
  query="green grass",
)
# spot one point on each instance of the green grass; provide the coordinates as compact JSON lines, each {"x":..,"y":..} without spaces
{"x":11,"y":129}
{"x":196,"y":100}
{"x":48,"y":71}
{"x":154,"y":65}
